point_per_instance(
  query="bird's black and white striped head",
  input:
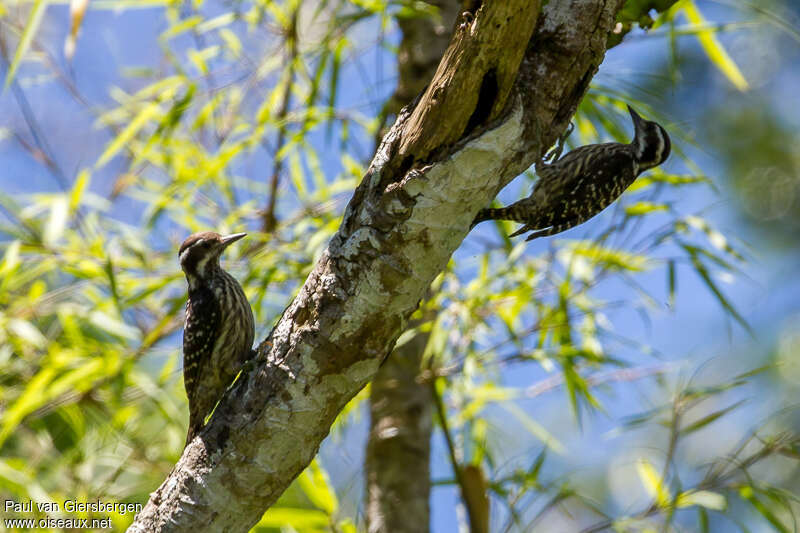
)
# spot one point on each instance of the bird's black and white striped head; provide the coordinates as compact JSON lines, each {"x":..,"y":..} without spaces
{"x":650,"y":141}
{"x":199,"y":254}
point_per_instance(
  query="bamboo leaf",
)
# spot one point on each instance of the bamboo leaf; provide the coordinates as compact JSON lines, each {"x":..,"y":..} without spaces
{"x":113,"y":326}
{"x":232,"y":42}
{"x":317,"y":487}
{"x":57,"y":221}
{"x":183,"y":26}
{"x":27,"y":332}
{"x":217,"y":22}
{"x":10,"y":258}
{"x":32,"y":397}
{"x":714,"y":49}
{"x":702,"y":271}
{"x":34,"y":20}
{"x":747,"y":493}
{"x":652,"y":482}
{"x":702,"y":498}
{"x":535,"y":429}
{"x":147,"y":113}
{"x":644,"y":208}
{"x":75,"y":195}
{"x":298,"y":518}
{"x":671,"y":282}
{"x":706,"y":420}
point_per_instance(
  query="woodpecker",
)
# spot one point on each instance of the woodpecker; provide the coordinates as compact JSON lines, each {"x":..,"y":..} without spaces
{"x":218,"y":331}
{"x":585,"y":181}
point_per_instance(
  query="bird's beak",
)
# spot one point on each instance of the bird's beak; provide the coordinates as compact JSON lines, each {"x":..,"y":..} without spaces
{"x":638,"y":121}
{"x":227,"y":240}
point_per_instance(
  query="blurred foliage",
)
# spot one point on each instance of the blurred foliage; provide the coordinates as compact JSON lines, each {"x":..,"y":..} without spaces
{"x":763,"y":167}
{"x":238,"y":123}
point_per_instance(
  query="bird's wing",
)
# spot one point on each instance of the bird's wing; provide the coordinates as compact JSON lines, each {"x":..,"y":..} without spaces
{"x":199,"y":335}
{"x":579,"y":169}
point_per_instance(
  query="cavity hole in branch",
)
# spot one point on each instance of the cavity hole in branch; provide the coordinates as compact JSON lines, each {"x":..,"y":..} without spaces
{"x":486,"y":98}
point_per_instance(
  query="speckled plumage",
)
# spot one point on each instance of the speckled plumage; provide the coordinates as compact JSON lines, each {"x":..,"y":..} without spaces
{"x":219,"y":329}
{"x":585,"y":181}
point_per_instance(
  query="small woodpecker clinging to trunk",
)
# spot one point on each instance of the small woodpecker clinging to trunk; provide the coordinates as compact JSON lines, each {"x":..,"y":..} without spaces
{"x":219,"y":330}
{"x":585,"y":181}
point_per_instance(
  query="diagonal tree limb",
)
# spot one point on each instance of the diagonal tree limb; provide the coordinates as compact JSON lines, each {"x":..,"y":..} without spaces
{"x":410,"y":212}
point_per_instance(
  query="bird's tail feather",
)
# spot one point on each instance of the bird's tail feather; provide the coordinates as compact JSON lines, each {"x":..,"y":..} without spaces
{"x":491,"y":213}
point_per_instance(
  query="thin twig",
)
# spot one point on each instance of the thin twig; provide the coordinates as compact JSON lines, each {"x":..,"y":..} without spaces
{"x":451,"y":447}
{"x":269,"y":221}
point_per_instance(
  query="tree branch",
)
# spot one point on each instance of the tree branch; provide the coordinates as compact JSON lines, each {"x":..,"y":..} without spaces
{"x":410,"y":212}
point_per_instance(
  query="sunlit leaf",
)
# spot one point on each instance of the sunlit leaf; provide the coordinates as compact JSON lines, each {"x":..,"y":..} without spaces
{"x":57,"y":221}
{"x":31,"y":26}
{"x":10,"y":257}
{"x":78,"y":188}
{"x":713,"y":48}
{"x":113,"y":326}
{"x":534,"y":428}
{"x":652,"y":482}
{"x":216,"y":23}
{"x":27,"y":332}
{"x":703,"y":498}
{"x":644,"y":208}
{"x":316,"y":485}
{"x":31,"y":399}
{"x":144,"y":116}
{"x":297,"y":518}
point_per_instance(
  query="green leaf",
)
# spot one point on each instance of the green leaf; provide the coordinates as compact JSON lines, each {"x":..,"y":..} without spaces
{"x":713,"y":48}
{"x":671,"y":282}
{"x":702,"y":271}
{"x":607,"y":258}
{"x":717,"y":239}
{"x":78,"y":379}
{"x":747,"y":493}
{"x":232,"y":42}
{"x":183,"y":26}
{"x":78,"y":188}
{"x":316,"y":485}
{"x":147,"y":113}
{"x":10,"y":258}
{"x":31,"y":399}
{"x":34,"y":19}
{"x":703,"y":498}
{"x":652,"y":482}
{"x":644,"y":208}
{"x":294,"y":517}
{"x":702,"y":518}
{"x":535,"y":429}
{"x":217,"y":22}
{"x":706,"y":420}
{"x":113,"y":326}
{"x":27,"y":332}
{"x":57,"y":221}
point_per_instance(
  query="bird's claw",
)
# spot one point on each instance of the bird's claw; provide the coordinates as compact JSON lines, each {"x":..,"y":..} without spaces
{"x":554,"y":154}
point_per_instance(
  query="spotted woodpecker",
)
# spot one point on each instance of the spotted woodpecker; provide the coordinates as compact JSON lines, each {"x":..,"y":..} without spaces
{"x":218,"y":331}
{"x":585,"y":181}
